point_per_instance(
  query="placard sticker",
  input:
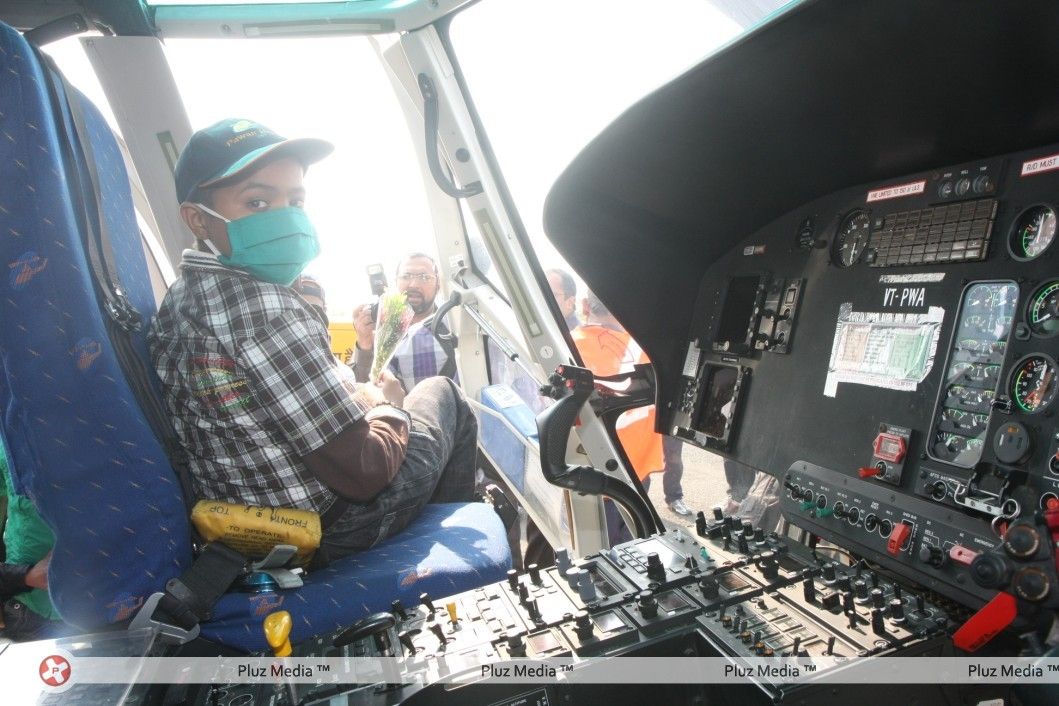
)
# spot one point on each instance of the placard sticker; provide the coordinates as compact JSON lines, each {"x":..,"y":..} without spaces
{"x":883,"y":349}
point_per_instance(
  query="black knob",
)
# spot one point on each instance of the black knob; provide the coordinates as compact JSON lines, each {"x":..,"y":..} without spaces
{"x":929,"y":554}
{"x":523,"y":593}
{"x":533,"y":610}
{"x":809,"y":589}
{"x":845,"y":583}
{"x":728,"y":521}
{"x":829,"y":572}
{"x":691,"y":564}
{"x":648,"y":604}
{"x":851,"y":619}
{"x":515,"y":644}
{"x":583,"y":621}
{"x":770,"y":568}
{"x":439,"y":633}
{"x":742,"y":544}
{"x":535,"y":573}
{"x":759,"y":535}
{"x":709,"y":588}
{"x":512,"y":578}
{"x":1032,"y":584}
{"x":878,"y":598}
{"x":748,"y":528}
{"x":847,"y":602}
{"x":797,"y":646}
{"x":990,"y":571}
{"x":860,"y":590}
{"x":700,"y":522}
{"x":424,"y":600}
{"x":1021,"y":541}
{"x":877,"y":625}
{"x":655,"y":570}
{"x":921,"y":605}
{"x":897,"y":590}
{"x":830,"y":645}
{"x":718,"y":513}
{"x":897,"y":610}
{"x":398,"y":608}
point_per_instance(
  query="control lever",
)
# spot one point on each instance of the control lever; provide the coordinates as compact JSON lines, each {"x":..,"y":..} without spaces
{"x":1025,"y":570}
{"x":371,"y":625}
{"x":572,"y":386}
{"x":454,"y":300}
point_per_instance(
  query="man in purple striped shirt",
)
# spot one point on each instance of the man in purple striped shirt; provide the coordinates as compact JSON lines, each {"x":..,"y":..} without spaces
{"x":420,"y":354}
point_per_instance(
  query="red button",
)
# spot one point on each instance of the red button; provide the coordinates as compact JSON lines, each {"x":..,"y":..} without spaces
{"x":897,"y":538}
{"x":870,"y":471}
{"x":962,"y":555}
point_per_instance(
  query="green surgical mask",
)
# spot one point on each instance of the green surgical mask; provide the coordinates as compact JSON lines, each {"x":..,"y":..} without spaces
{"x":274,"y":246}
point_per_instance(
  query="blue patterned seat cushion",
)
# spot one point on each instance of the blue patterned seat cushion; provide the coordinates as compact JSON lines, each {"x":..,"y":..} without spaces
{"x":79,"y":443}
{"x":449,"y":548}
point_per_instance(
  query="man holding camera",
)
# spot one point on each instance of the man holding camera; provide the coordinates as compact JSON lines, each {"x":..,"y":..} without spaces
{"x":421,"y":353}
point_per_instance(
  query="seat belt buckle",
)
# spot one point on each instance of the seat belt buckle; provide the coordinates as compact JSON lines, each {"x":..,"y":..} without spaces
{"x":144,"y":619}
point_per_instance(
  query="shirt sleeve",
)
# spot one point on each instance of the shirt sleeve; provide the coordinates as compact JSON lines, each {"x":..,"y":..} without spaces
{"x":309,"y":395}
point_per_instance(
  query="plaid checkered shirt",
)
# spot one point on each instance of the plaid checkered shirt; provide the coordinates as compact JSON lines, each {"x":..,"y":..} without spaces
{"x":251,"y":385}
{"x":420,"y":355}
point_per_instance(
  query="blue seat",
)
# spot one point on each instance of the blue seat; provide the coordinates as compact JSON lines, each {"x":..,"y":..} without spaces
{"x":79,"y":441}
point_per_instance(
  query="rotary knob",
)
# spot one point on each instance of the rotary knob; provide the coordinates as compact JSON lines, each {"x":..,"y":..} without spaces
{"x":583,"y":623}
{"x":648,"y":604}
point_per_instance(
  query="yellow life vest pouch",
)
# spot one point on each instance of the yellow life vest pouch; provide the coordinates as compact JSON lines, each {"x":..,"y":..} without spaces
{"x":253,"y":531}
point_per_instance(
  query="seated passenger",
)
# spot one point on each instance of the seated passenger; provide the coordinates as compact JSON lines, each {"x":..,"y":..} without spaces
{"x":420,"y":354}
{"x":267,"y":415}
{"x":26,"y":612}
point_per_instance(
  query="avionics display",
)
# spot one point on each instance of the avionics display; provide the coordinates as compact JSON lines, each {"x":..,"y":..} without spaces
{"x":735,"y":329}
{"x":987,"y":312}
{"x":719,"y":402}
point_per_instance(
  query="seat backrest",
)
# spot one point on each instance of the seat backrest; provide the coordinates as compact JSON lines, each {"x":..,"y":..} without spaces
{"x":79,"y":442}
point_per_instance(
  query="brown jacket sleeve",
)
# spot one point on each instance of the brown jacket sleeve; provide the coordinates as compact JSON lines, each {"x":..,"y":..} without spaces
{"x":363,"y":458}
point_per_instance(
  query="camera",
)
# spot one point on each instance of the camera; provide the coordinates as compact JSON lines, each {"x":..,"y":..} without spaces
{"x":378,"y":284}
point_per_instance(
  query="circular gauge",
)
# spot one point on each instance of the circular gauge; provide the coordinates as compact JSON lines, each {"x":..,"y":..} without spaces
{"x":1033,"y":384}
{"x":1043,"y":313}
{"x":851,"y":239}
{"x":1033,"y":232}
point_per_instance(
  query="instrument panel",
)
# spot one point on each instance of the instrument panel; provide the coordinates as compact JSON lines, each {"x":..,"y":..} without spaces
{"x":902,"y":335}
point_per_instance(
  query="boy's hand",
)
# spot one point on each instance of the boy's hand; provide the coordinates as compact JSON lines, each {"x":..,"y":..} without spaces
{"x":391,"y":388}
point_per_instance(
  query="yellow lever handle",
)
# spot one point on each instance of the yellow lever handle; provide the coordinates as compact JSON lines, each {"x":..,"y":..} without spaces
{"x":277,"y":628}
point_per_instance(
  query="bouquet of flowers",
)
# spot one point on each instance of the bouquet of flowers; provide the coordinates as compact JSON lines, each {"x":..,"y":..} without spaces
{"x":395,"y":316}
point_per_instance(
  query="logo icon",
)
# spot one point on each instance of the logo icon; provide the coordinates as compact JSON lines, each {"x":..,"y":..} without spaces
{"x":241,"y":125}
{"x":86,"y":351}
{"x":265,"y":603}
{"x":25,"y":268}
{"x":124,"y":607}
{"x":55,"y":670}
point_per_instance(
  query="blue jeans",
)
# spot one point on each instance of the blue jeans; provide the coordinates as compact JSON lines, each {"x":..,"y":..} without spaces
{"x":438,"y":467}
{"x":672,"y":471}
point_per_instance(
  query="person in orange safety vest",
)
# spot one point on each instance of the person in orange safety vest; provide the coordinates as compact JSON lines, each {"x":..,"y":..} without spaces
{"x":607,"y":349}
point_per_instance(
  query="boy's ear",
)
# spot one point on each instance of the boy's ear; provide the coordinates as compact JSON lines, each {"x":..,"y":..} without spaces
{"x":194,"y":219}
